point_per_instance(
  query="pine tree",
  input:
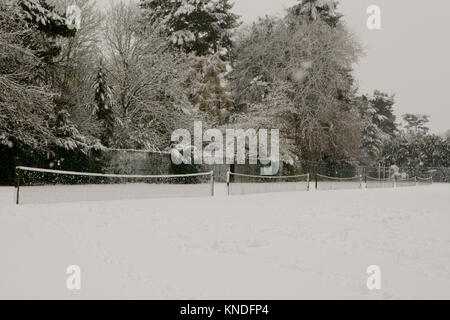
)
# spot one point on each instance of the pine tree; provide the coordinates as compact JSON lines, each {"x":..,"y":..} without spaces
{"x":372,"y":137}
{"x":447,"y":135}
{"x":224,"y":21}
{"x":318,"y":9}
{"x":416,"y":123}
{"x":39,"y":13}
{"x":104,"y":106}
{"x":199,"y":26}
{"x":211,"y":92}
{"x":30,"y":37}
{"x":415,"y":150}
{"x":384,"y":116}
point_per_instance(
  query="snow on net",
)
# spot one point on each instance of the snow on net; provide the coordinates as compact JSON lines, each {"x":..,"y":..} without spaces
{"x":334,"y":183}
{"x":241,"y":184}
{"x":53,"y":186}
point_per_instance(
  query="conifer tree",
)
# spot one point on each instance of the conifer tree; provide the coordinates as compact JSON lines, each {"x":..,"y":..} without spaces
{"x":104,"y":106}
{"x":318,"y":9}
{"x":211,"y":93}
{"x":200,"y":26}
{"x":41,"y":14}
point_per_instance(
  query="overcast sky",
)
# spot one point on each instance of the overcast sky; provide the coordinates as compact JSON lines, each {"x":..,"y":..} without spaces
{"x":409,"y":56}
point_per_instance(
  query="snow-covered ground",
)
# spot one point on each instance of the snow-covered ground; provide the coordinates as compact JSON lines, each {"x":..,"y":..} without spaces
{"x":291,"y":245}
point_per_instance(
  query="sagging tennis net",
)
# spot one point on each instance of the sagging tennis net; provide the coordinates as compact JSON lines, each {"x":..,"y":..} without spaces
{"x":406,"y":182}
{"x":374,"y":183}
{"x":334,"y":183}
{"x":397,"y":182}
{"x":35,"y":185}
{"x":424,"y":181}
{"x":241,"y":184}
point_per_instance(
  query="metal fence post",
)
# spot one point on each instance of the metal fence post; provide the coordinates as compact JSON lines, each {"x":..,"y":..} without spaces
{"x":316,"y":179}
{"x":228,"y":182}
{"x":212,"y":183}
{"x":17,"y":184}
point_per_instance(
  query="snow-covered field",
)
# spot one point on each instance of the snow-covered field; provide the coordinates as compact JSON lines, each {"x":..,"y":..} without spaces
{"x":291,"y":245}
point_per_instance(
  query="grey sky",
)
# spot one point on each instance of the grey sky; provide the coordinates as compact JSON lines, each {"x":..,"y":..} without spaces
{"x":410,"y":56}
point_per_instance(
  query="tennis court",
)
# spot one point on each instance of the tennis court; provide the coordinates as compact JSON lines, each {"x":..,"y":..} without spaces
{"x":287,"y":245}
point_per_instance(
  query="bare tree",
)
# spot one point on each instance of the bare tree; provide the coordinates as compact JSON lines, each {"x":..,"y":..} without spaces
{"x":77,"y":65}
{"x":147,"y":81}
{"x":296,"y":75}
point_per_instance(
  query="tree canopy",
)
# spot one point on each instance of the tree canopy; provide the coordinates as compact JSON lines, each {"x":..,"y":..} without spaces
{"x":200,"y":26}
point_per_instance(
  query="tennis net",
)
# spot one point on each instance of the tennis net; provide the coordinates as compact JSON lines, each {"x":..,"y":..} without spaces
{"x":424,"y":181}
{"x":406,"y":182}
{"x":334,"y":183}
{"x":36,"y":185}
{"x":241,"y":184}
{"x":374,"y":183}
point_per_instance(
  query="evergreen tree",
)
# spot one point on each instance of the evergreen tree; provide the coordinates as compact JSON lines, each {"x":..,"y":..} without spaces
{"x":27,"y":97}
{"x":220,"y":34}
{"x":42,"y":15}
{"x":447,"y":135}
{"x":384,"y":116}
{"x":199,"y":26}
{"x":377,"y":123}
{"x":416,"y":123}
{"x":372,"y":136}
{"x":412,"y":150}
{"x":210,"y":91}
{"x":104,"y":106}
{"x":317,"y":9}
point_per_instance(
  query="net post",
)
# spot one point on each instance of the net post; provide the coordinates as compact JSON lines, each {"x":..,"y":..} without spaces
{"x":17,"y":184}
{"x":360,"y":182}
{"x":212,"y":183}
{"x":228,"y":182}
{"x":307,"y":177}
{"x":415,"y":181}
{"x":315,"y":177}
